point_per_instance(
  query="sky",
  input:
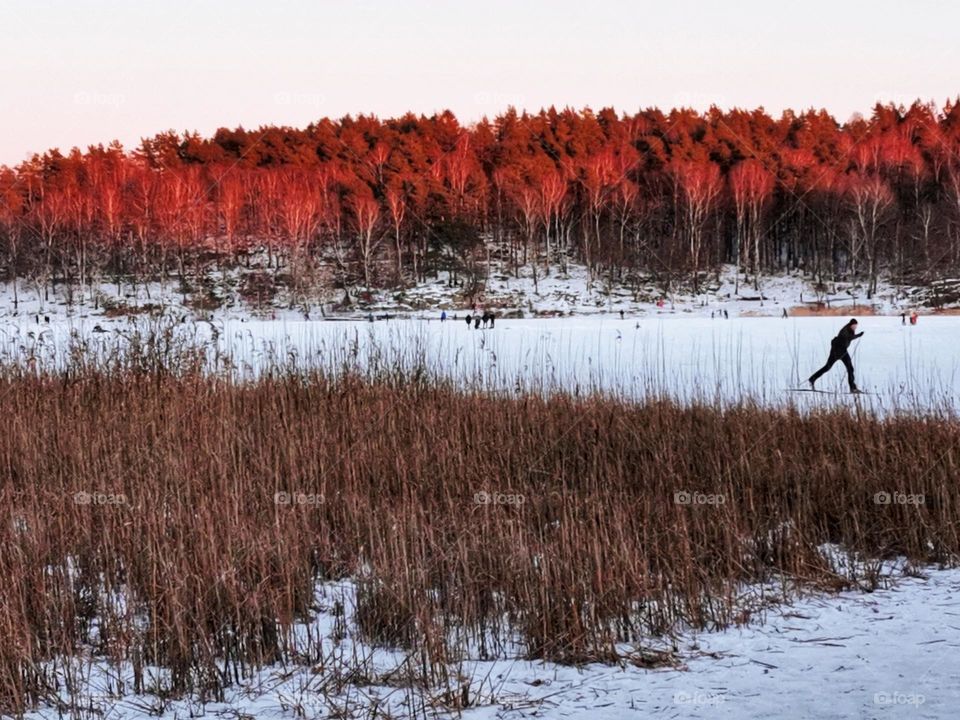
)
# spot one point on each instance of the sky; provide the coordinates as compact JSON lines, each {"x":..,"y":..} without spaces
{"x":81,"y":72}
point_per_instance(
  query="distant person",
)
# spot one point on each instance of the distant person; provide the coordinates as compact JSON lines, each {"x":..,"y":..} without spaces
{"x":726,"y":315}
{"x":785,"y":313}
{"x":838,"y":351}
{"x":443,"y":316}
{"x":476,"y":322}
{"x":903,"y":318}
{"x":914,"y":317}
{"x":469,"y":319}
{"x":621,"y":314}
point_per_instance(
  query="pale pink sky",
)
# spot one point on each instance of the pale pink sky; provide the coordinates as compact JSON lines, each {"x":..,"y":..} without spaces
{"x":76,"y":72}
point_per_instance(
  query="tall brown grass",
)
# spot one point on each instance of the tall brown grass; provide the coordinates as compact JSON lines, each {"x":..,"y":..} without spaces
{"x":188,"y":518}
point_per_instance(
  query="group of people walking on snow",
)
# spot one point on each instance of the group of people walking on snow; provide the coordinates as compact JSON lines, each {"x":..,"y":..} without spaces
{"x":474,"y":319}
{"x":478,"y":319}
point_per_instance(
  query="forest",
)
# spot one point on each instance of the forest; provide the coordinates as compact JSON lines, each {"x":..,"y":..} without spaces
{"x":362,"y":202}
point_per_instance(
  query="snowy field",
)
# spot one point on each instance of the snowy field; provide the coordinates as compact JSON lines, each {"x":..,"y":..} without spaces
{"x":887,"y":654}
{"x":904,"y":366}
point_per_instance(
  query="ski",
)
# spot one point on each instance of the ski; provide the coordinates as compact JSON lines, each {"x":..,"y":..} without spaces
{"x":829,"y":392}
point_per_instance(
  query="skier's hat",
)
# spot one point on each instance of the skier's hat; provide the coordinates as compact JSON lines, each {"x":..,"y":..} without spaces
{"x":853,"y":321}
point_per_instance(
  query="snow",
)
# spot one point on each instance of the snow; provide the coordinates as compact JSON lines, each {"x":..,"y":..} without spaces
{"x":889,"y":653}
{"x":562,"y":332}
{"x":548,"y":294}
{"x":688,"y":358}
{"x":883,"y":654}
{"x":575,"y":292}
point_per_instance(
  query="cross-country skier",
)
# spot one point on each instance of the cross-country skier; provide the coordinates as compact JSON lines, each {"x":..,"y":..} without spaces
{"x":838,"y":351}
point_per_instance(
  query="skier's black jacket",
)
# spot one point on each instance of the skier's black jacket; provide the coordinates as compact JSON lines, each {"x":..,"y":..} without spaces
{"x":843,"y":339}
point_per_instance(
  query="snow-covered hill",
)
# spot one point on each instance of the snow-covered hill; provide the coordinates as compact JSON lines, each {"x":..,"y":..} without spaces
{"x":221,"y":295}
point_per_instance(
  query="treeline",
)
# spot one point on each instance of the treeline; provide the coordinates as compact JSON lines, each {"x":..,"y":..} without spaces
{"x":382,"y":202}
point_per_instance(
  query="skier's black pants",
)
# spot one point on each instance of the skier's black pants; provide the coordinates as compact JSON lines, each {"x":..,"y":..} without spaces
{"x":843,"y":357}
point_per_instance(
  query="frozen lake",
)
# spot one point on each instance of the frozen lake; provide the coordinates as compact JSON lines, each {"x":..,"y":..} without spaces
{"x":914,"y":367}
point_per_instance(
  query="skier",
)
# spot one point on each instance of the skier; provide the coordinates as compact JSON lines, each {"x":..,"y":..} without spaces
{"x":838,"y":351}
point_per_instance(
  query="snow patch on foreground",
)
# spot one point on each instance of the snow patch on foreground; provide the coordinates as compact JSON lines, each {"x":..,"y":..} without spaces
{"x":889,"y":653}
